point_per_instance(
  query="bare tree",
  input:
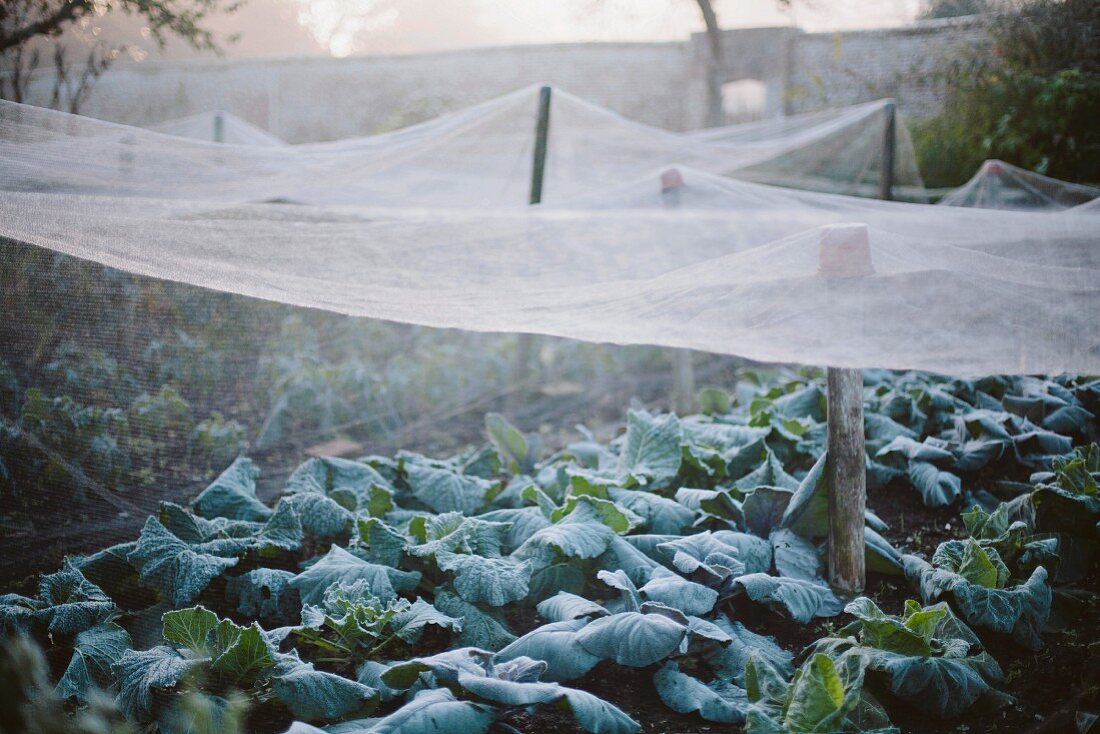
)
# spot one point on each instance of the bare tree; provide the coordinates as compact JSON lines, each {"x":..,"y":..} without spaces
{"x":715,"y":114}
{"x":65,"y":30}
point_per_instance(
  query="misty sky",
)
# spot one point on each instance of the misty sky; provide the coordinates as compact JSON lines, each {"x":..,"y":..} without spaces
{"x":351,"y":27}
{"x":405,"y":26}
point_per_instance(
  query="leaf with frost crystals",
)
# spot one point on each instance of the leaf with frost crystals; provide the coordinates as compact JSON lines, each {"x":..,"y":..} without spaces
{"x":802,"y":600}
{"x":769,"y":474}
{"x":455,"y":533}
{"x":597,"y":716}
{"x":651,"y":454}
{"x":571,"y":539}
{"x":1020,"y":610}
{"x":661,"y":515}
{"x":95,"y":650}
{"x":233,"y":494}
{"x":555,"y":644}
{"x":623,"y":556}
{"x":938,"y":488}
{"x":315,"y":694}
{"x":444,"y":666}
{"x":764,"y":508}
{"x":729,"y":661}
{"x":190,"y":627}
{"x":321,"y":516}
{"x":340,"y":566}
{"x":140,"y":673}
{"x":355,"y":486}
{"x":795,"y":557}
{"x":565,"y":606}
{"x":264,"y":593}
{"x":807,"y":514}
{"x":632,"y":638}
{"x":435,"y":711}
{"x":524,"y":521}
{"x":479,"y":629}
{"x":174,"y":567}
{"x":675,"y":591}
{"x":718,"y":700}
{"x":409,"y":624}
{"x":444,"y":490}
{"x":74,"y":602}
{"x":495,"y":581}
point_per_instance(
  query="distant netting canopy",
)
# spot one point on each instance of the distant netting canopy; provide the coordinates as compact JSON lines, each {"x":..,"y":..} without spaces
{"x":643,"y":237}
{"x":217,"y":127}
{"x":1000,"y":185}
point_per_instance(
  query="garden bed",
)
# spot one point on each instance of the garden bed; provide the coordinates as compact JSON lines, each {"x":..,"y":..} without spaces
{"x":669,"y":579}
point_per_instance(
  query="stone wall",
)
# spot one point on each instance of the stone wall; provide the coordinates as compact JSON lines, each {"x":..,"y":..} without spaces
{"x":838,"y":69}
{"x":302,"y":100}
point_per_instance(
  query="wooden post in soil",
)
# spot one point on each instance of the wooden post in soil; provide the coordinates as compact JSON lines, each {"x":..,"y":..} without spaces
{"x":683,"y":366}
{"x":845,"y":254}
{"x":525,"y":343}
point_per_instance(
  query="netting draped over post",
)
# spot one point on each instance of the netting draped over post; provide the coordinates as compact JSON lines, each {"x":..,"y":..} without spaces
{"x":209,"y":126}
{"x":428,"y":225}
{"x":1000,"y":185}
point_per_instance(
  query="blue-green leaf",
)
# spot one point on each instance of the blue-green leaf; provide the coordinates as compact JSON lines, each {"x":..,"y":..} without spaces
{"x":651,"y":454}
{"x":233,"y":494}
{"x":556,"y":644}
{"x":434,"y":712}
{"x":140,"y":673}
{"x":174,"y":567}
{"x":95,"y":650}
{"x":316,"y":695}
{"x":495,"y":581}
{"x":802,"y":600}
{"x":675,"y":591}
{"x":340,"y":566}
{"x":718,"y":700}
{"x":479,"y":630}
{"x":564,"y":606}
{"x":632,"y":638}
{"x":73,"y":602}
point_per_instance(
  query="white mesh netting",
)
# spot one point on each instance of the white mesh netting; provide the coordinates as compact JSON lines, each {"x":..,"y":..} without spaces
{"x":1000,"y":185}
{"x":217,"y":127}
{"x":428,"y":225}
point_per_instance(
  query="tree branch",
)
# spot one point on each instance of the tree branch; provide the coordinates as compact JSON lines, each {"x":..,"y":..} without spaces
{"x":69,"y":11}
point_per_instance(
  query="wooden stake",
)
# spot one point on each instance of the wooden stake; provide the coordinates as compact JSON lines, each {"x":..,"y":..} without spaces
{"x":219,"y":127}
{"x":846,"y":253}
{"x":683,"y":363}
{"x":525,"y":342}
{"x":889,"y":148}
{"x":847,"y":479}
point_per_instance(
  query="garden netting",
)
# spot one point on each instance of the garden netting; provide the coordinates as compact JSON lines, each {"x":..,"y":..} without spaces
{"x":1000,"y":185}
{"x":430,"y":226}
{"x":323,"y":335}
{"x":217,"y":127}
{"x":170,"y":301}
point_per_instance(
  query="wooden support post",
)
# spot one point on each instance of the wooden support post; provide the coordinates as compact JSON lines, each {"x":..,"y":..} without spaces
{"x":889,"y":150}
{"x":683,"y":365}
{"x":219,"y":127}
{"x":845,"y":253}
{"x":525,"y":342}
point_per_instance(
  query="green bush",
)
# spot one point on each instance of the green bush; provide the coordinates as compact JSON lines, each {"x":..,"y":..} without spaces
{"x":1030,"y":98}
